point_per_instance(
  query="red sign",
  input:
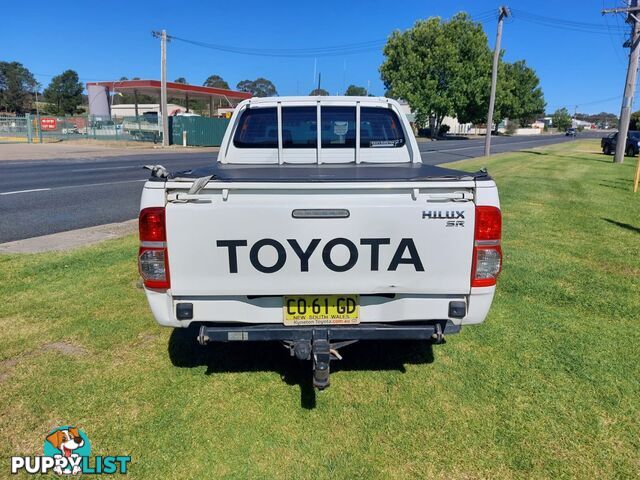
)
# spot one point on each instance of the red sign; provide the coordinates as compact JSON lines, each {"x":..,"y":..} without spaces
{"x":48,"y":123}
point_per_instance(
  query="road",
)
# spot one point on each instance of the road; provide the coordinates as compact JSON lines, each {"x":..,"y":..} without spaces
{"x":39,"y":197}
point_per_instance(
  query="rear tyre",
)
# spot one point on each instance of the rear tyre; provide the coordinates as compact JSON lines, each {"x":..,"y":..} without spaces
{"x":606,"y":150}
{"x":630,"y":152}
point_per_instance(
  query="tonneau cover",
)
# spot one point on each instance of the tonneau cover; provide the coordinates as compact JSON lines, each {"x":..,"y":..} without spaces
{"x":326,"y":173}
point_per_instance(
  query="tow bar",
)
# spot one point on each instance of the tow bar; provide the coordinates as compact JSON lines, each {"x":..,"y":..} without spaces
{"x":320,"y":344}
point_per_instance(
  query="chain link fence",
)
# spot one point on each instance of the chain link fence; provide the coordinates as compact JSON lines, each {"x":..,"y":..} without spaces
{"x":47,"y":128}
{"x":183,"y":130}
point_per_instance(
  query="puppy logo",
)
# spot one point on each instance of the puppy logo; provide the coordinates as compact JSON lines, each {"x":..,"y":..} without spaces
{"x":67,"y":445}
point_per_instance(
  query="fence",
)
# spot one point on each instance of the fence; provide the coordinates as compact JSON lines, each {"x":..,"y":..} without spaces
{"x":14,"y":129}
{"x":197,"y":131}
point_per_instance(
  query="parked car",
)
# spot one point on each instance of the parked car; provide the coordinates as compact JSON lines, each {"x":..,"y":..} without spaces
{"x":608,"y":143}
{"x":571,"y":132}
{"x":318,"y":230}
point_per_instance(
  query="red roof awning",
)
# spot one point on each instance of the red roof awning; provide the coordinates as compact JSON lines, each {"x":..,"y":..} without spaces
{"x":152,"y":87}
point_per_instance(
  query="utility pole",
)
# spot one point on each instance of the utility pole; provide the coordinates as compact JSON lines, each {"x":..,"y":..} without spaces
{"x":503,"y":12}
{"x":164,"y":114}
{"x":630,"y":83}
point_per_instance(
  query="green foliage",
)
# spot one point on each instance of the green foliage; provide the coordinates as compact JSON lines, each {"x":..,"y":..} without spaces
{"x":561,"y":119}
{"x":64,"y":93}
{"x":260,"y":87}
{"x":634,"y":121}
{"x":16,"y":86}
{"x":180,"y":80}
{"x":319,"y":92}
{"x":444,"y":68}
{"x":441,"y":68}
{"x":216,"y":81}
{"x":356,"y":91}
{"x":519,"y":96}
{"x":512,"y":127}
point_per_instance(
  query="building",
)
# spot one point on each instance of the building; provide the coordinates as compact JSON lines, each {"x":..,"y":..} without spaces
{"x":101,"y":93}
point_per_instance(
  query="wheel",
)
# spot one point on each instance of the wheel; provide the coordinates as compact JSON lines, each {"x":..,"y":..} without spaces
{"x":630,"y":152}
{"x":606,"y":150}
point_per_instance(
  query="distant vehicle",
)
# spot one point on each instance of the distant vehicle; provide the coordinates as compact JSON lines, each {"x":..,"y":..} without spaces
{"x":571,"y":132}
{"x":608,"y":143}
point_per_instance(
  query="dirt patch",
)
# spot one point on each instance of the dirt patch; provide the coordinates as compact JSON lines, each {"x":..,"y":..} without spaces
{"x":68,"y":348}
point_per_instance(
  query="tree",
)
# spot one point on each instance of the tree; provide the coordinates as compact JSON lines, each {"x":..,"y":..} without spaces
{"x":260,"y":87}
{"x":519,"y":96}
{"x":180,"y":80}
{"x":441,"y":68}
{"x":215,"y":81}
{"x":64,"y":93}
{"x":561,"y":119}
{"x":355,"y":91}
{"x":16,"y":86}
{"x":319,"y":92}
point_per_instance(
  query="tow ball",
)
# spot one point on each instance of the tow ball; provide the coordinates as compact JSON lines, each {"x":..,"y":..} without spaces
{"x":320,"y":351}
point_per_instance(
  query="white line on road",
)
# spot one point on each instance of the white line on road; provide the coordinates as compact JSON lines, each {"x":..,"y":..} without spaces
{"x":72,"y":186}
{"x":25,"y":191}
{"x":105,"y":168}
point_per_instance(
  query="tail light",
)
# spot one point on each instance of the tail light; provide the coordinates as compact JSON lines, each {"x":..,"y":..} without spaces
{"x":487,"y":252}
{"x":153,"y":259}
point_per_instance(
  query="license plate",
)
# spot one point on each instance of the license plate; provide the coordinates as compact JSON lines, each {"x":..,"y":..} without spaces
{"x":321,"y":310}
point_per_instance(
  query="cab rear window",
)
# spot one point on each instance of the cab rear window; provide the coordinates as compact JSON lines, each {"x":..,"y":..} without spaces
{"x":379,"y":128}
{"x":258,"y":128}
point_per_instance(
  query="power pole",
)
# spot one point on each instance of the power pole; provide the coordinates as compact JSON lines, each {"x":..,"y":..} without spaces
{"x":164,"y":114}
{"x":502,"y":13}
{"x":630,"y":83}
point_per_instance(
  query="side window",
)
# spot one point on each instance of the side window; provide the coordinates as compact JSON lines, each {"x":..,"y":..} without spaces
{"x":380,"y":128}
{"x":299,"y":127}
{"x":257,"y":128}
{"x":338,"y":127}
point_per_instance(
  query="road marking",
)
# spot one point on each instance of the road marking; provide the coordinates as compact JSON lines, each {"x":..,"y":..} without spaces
{"x":72,"y":186}
{"x":105,"y":168}
{"x":98,"y":184}
{"x":25,"y":191}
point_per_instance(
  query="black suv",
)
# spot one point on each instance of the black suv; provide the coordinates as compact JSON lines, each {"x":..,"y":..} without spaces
{"x":608,"y":143}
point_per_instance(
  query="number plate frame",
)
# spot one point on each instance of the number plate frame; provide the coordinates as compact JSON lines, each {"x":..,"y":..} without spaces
{"x":331,"y":310}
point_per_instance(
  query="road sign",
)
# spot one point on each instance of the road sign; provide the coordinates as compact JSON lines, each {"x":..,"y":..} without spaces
{"x":48,"y":123}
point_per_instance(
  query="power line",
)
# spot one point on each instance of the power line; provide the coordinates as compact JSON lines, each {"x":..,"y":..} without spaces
{"x":335,"y":50}
{"x":563,"y":24}
{"x":327,"y":51}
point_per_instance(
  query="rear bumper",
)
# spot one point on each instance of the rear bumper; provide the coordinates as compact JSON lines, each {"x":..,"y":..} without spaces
{"x":362,"y":331}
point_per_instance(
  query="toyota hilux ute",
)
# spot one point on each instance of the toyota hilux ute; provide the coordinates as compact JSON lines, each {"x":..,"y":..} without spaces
{"x":319,"y":226}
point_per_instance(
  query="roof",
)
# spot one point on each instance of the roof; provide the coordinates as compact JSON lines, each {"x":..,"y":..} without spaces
{"x":329,"y":99}
{"x":152,"y":87}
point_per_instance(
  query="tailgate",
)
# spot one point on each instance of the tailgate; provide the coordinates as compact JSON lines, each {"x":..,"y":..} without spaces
{"x":281,"y":240}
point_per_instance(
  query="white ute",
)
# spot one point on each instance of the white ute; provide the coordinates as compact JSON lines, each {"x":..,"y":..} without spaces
{"x":319,"y":226}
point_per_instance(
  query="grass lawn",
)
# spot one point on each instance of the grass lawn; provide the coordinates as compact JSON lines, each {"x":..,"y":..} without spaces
{"x":548,"y":387}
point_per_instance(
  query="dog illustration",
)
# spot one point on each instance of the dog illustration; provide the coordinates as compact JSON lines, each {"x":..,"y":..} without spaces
{"x":66,"y":441}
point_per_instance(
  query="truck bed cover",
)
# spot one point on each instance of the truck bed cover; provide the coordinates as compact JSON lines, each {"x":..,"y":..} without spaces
{"x":409,"y":172}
